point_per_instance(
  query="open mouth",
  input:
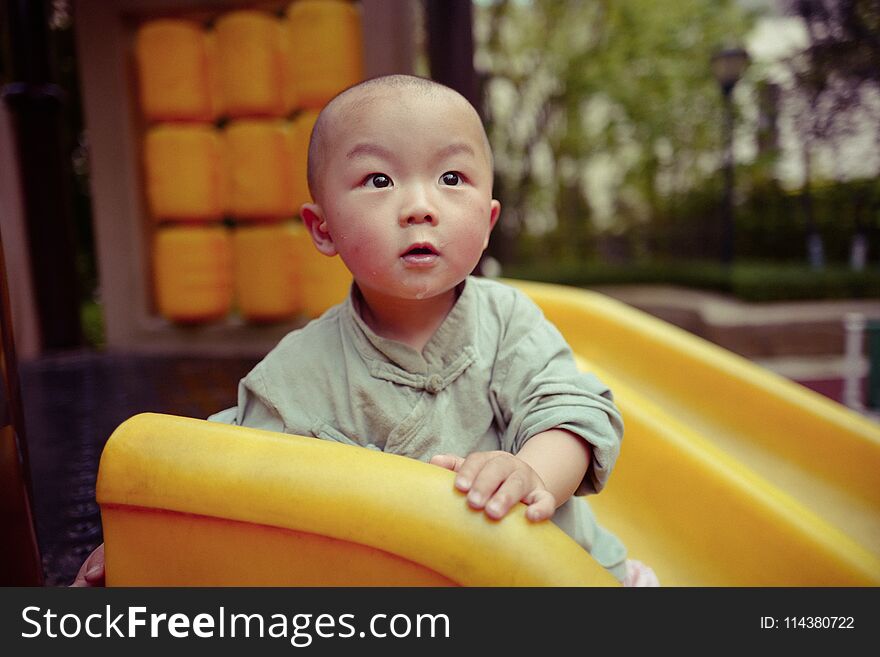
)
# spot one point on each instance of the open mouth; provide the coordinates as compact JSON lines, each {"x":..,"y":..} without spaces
{"x":420,"y":254}
{"x":420,"y":250}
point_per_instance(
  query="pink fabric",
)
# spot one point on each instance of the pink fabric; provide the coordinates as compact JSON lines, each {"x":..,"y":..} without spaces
{"x":638,"y":574}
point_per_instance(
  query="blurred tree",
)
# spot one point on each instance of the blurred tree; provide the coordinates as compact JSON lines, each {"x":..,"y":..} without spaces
{"x":838,"y":82}
{"x":599,"y":112}
{"x":844,"y":48}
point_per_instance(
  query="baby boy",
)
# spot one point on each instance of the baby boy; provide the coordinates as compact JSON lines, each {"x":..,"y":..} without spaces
{"x":422,"y":359}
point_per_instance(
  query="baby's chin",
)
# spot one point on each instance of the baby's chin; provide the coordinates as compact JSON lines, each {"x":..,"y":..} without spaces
{"x":411,"y":288}
{"x":427,"y":292}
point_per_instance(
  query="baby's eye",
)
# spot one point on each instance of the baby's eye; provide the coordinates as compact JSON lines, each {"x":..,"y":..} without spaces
{"x":377,"y":180}
{"x":450,"y":178}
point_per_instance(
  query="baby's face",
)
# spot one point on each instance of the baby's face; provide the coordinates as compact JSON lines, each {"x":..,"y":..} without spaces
{"x":406,"y":193}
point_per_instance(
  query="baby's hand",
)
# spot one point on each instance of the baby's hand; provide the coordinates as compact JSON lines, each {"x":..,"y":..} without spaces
{"x":495,"y":481}
{"x":91,"y":573}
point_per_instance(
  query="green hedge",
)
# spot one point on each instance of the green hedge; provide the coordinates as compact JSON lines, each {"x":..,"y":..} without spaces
{"x":771,"y":224}
{"x":750,"y":281}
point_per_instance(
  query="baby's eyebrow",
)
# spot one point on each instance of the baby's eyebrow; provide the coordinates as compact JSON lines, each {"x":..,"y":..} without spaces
{"x":365,"y":149}
{"x":368,"y":149}
{"x":456,"y":148}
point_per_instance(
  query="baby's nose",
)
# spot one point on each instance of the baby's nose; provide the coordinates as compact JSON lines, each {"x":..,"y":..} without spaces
{"x":419,"y":210}
{"x":419,"y":218}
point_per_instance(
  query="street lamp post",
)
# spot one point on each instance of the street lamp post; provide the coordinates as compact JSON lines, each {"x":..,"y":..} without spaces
{"x":728,"y":66}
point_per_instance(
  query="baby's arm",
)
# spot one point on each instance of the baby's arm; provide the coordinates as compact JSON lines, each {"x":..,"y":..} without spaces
{"x":543,"y":475}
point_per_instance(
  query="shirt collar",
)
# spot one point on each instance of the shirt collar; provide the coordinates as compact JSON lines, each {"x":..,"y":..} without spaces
{"x":449,"y":351}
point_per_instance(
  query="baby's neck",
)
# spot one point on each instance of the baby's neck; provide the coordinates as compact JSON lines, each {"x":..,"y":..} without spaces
{"x":410,"y":321}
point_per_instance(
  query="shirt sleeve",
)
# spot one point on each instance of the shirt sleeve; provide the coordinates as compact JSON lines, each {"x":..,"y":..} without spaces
{"x":539,"y":387}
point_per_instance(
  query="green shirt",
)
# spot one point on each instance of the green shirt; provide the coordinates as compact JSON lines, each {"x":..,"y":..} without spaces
{"x":494,"y":374}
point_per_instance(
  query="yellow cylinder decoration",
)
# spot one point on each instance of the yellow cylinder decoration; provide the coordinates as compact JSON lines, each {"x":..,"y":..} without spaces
{"x":301,"y":131}
{"x":214,"y":83}
{"x":250,"y":64}
{"x":325,"y":281}
{"x":259,"y":162}
{"x":193,"y":273}
{"x":173,"y":71}
{"x":324,"y":50}
{"x":267,"y":276}
{"x":184,"y":172}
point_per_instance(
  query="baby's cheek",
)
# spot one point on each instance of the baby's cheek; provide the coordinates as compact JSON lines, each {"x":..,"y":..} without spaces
{"x":476,"y":240}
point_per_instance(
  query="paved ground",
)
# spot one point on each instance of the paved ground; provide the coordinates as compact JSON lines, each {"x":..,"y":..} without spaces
{"x":803,"y":340}
{"x":722,"y":309}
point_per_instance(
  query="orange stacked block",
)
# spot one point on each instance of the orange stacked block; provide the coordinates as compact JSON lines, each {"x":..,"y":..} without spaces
{"x":255,"y":69}
{"x":174,"y":71}
{"x":325,"y":281}
{"x":184,"y":170}
{"x":260,"y":165}
{"x":324,"y":50}
{"x":268,"y":281}
{"x":301,"y":131}
{"x":250,"y":62}
{"x":193,"y":272}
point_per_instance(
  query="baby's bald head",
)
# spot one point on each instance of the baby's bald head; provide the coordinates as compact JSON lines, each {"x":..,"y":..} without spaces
{"x":346,"y":105}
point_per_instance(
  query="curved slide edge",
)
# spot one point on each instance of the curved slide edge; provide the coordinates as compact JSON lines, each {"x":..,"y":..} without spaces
{"x":191,"y":502}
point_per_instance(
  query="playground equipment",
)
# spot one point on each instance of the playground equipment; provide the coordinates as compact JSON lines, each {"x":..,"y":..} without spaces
{"x":226,"y":109}
{"x":175,"y":59}
{"x":193,"y":267}
{"x":190,"y":502}
{"x":729,"y":476}
{"x":324,"y":50}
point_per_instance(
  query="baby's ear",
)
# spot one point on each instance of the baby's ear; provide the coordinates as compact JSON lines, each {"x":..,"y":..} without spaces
{"x":494,"y":213}
{"x":313,"y":218}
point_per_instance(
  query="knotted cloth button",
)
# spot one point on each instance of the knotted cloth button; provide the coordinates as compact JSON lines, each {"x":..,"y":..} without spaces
{"x":434,"y":384}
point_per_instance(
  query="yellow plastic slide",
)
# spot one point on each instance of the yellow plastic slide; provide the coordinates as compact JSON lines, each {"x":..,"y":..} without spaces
{"x":729,"y":474}
{"x":187,"y":502}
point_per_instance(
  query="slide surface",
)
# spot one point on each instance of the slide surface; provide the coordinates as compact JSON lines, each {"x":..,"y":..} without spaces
{"x":729,"y":475}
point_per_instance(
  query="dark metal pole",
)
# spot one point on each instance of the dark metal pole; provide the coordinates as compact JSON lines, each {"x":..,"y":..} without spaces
{"x":20,"y":562}
{"x":727,"y":213}
{"x":451,"y":47}
{"x":36,"y":106}
{"x":451,"y":52}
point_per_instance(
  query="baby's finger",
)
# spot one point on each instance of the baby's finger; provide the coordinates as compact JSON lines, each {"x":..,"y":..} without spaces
{"x":494,"y":471}
{"x":542,"y":505}
{"x":448,"y":461}
{"x":511,"y":491}
{"x":469,"y":469}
